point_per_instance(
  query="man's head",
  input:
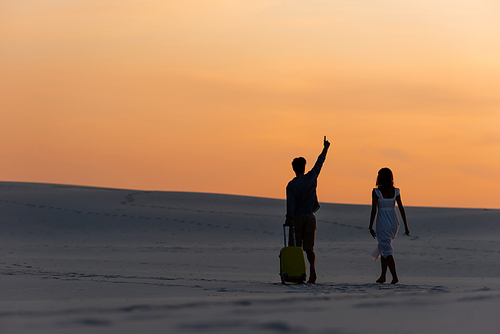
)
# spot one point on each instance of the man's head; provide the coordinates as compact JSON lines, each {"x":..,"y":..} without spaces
{"x":299,"y":165}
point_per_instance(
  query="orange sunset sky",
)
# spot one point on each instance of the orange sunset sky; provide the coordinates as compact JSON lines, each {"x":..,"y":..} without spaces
{"x":220,"y":96}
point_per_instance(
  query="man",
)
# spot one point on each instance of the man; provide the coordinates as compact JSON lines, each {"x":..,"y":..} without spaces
{"x":302,"y":203}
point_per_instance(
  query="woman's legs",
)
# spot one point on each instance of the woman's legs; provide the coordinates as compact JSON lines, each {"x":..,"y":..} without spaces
{"x":391,"y":263}
{"x":383,"y":264}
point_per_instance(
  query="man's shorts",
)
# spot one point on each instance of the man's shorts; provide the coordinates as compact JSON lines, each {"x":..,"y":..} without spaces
{"x":305,"y":231}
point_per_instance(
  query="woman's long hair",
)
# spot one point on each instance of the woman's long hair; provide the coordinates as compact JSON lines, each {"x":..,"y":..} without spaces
{"x":385,"y":180}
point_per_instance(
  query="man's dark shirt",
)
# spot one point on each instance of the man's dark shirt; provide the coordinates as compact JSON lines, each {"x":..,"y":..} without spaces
{"x":301,"y":198}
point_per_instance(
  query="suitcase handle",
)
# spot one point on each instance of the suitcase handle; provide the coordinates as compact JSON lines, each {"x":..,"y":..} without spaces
{"x":292,"y":228}
{"x":284,"y":234}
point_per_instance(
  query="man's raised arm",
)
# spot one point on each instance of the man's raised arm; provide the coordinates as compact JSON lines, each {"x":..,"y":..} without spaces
{"x":321,"y":157}
{"x":326,"y":145}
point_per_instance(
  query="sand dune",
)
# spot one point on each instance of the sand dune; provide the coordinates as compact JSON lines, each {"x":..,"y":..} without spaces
{"x":80,"y":260}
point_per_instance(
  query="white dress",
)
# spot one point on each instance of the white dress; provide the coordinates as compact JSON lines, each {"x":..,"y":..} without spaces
{"x":387,"y":224}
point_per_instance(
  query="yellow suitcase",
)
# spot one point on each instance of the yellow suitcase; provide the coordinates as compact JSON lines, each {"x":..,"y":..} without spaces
{"x":292,"y":261}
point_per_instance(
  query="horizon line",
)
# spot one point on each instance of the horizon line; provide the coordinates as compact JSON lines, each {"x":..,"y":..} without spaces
{"x":224,"y":194}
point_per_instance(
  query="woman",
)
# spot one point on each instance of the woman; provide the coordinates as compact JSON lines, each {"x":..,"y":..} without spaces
{"x":384,"y":198}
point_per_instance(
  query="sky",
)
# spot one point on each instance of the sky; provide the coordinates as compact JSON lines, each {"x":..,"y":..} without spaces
{"x":220,"y":95}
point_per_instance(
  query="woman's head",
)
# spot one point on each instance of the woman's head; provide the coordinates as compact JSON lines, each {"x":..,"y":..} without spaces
{"x":385,"y":180}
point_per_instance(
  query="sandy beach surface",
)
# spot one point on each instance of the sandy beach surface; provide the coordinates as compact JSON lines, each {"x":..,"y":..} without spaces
{"x":93,"y":260}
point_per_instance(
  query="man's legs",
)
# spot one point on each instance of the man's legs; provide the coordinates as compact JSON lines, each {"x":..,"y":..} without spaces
{"x":299,"y":224}
{"x":309,"y":236}
{"x":311,"y":257}
{"x":305,"y":232}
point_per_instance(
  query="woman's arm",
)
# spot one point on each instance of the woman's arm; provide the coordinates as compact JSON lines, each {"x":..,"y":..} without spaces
{"x":373,"y":213}
{"x":403,"y":214}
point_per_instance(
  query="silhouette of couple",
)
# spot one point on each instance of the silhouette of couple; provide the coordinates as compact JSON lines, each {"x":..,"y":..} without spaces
{"x":302,"y":203}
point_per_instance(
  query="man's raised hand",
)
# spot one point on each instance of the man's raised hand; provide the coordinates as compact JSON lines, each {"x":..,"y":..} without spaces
{"x":326,"y":143}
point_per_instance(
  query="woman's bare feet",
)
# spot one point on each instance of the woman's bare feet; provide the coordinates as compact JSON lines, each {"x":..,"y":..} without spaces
{"x":381,"y":280}
{"x":394,"y":280}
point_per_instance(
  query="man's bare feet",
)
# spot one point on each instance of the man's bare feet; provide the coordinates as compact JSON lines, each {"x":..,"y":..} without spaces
{"x":394,"y":280}
{"x":381,"y":280}
{"x":312,"y":276}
